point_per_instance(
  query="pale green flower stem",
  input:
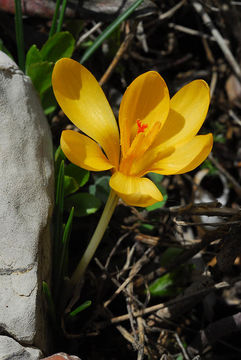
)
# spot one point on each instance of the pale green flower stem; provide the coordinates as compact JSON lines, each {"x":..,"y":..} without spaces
{"x":96,"y":238}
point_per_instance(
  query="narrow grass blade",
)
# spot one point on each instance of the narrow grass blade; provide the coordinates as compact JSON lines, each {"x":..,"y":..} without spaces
{"x":61,"y":16}
{"x":80,"y":308}
{"x":59,"y":208}
{"x":55,"y":17}
{"x":58,"y":158}
{"x":50,"y":302}
{"x":64,"y":253}
{"x":60,"y":195}
{"x":65,"y":241}
{"x":106,"y":33}
{"x":19,"y":34}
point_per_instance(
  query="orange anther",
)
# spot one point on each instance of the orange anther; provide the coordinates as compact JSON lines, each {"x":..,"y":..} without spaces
{"x":141,"y":127}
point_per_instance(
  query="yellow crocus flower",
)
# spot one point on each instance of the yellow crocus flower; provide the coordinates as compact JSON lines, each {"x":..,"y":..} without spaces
{"x":156,"y":134}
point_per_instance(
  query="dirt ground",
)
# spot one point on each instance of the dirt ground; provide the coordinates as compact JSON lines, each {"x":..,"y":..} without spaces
{"x":194,"y":241}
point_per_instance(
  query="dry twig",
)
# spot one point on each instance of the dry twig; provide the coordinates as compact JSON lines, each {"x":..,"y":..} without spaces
{"x":214,"y":332}
{"x":87,"y":34}
{"x":122,"y":49}
{"x":216,"y":34}
{"x":172,"y":11}
{"x":136,"y":268}
{"x":170,"y":304}
{"x":235,"y":184}
{"x":185,"y":354}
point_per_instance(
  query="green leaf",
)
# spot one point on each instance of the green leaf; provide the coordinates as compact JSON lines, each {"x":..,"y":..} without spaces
{"x":40,"y":74}
{"x":63,"y":262}
{"x":70,"y":185}
{"x":164,"y":285}
{"x":171,"y":284}
{"x":54,"y":19}
{"x":156,"y":178}
{"x":65,"y":244}
{"x":61,"y":15}
{"x":40,"y":64}
{"x":50,"y":302}
{"x":59,"y":208}
{"x":159,"y":204}
{"x":86,"y":44}
{"x":58,"y":217}
{"x":58,"y":157}
{"x":84,"y":204}
{"x":74,"y":26}
{"x":146,"y":228}
{"x":67,"y":232}
{"x":180,"y":357}
{"x":80,"y":308}
{"x":108,"y":31}
{"x":48,"y":100}
{"x":60,"y":187}
{"x":101,"y":188}
{"x":207,"y":164}
{"x":58,"y":46}
{"x":19,"y":34}
{"x":220,"y":138}
{"x":33,"y":56}
{"x":75,"y":178}
{"x":169,"y":255}
{"x":80,"y":175}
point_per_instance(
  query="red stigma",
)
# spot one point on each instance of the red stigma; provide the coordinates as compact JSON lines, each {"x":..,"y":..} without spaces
{"x":141,"y":127}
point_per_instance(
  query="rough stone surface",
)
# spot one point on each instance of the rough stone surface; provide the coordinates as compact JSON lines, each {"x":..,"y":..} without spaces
{"x":110,"y":9}
{"x":96,"y":9}
{"x":62,"y":356}
{"x":26,"y":193}
{"x":12,"y":350}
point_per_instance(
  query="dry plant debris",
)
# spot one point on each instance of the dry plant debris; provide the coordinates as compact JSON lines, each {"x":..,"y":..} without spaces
{"x":182,"y":40}
{"x":199,"y":318}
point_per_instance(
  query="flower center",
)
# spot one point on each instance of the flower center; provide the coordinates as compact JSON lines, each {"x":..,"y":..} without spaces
{"x":140,"y":127}
{"x":140,"y":144}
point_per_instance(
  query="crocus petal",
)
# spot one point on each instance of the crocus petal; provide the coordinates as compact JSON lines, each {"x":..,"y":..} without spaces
{"x":83,"y":151}
{"x":146,"y":99}
{"x":135,"y":191}
{"x":188,"y":110}
{"x":83,"y":101}
{"x":142,"y":165}
{"x":185,"y":157}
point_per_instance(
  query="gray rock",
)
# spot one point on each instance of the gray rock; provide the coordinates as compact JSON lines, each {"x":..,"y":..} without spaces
{"x":26,"y":202}
{"x":110,"y":9}
{"x":95,"y":9}
{"x":12,"y":350}
{"x":62,"y":356}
